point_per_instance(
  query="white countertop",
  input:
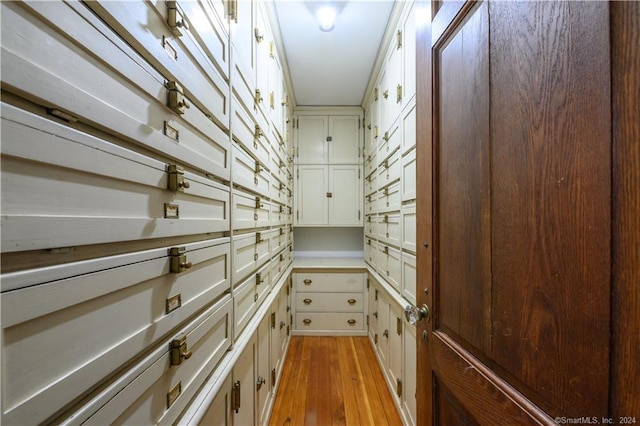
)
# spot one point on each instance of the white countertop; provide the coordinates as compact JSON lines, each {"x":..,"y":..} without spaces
{"x":329,"y":263}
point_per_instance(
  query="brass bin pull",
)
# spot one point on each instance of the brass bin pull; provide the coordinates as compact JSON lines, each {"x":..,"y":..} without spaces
{"x":306,"y":321}
{"x":351,"y":322}
{"x":307,"y":301}
{"x":351,"y":301}
{"x":307,"y":282}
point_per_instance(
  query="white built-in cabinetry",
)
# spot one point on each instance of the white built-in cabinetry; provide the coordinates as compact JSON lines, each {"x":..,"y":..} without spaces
{"x":390,"y":209}
{"x":147,"y":211}
{"x":328,"y":171}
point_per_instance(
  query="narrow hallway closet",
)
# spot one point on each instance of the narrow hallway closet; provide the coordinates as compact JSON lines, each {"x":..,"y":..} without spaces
{"x":295,"y":212}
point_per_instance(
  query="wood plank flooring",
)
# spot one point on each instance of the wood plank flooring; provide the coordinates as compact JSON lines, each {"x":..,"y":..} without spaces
{"x":332,"y":381}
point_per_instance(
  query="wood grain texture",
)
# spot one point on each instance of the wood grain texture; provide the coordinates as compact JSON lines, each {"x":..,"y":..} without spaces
{"x":625,"y":67}
{"x":333,"y":381}
{"x":424,"y":202}
{"x":551,"y":196}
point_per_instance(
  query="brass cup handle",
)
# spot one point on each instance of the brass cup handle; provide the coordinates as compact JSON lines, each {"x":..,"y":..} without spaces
{"x":186,"y":265}
{"x":307,"y":301}
{"x":306,"y":321}
{"x":307,"y":282}
{"x":351,"y":322}
{"x":351,"y":301}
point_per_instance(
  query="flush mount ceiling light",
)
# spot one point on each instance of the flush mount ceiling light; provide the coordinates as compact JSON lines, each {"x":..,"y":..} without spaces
{"x":327,"y":17}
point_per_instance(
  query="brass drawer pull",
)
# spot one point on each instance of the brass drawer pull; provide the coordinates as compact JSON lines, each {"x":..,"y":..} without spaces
{"x":307,"y":301}
{"x":351,"y":322}
{"x":306,"y":321}
{"x":351,"y":301}
{"x":307,"y":282}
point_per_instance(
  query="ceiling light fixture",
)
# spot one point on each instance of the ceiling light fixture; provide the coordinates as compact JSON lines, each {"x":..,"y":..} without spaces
{"x":327,"y":17}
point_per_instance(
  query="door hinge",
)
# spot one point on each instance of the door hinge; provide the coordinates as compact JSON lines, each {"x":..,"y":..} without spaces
{"x":273,"y":320}
{"x":376,"y":294}
{"x":359,"y":174}
{"x":375,"y":340}
{"x":273,"y":377}
{"x":399,"y":39}
{"x":399,"y":326}
{"x":368,"y":277}
{"x":235,"y":397}
{"x":399,"y":93}
{"x":297,"y":214}
{"x":359,"y":214}
{"x":367,"y":320}
{"x":399,"y":387}
{"x":232,"y":10}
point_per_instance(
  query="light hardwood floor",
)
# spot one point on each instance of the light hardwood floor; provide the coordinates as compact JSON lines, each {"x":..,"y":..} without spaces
{"x":332,"y":381}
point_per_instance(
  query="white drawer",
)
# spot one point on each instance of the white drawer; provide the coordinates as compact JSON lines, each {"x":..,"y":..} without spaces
{"x":65,"y":188}
{"x":249,"y":295}
{"x":389,"y":197}
{"x":249,"y":211}
{"x":129,"y":102}
{"x":390,"y":142}
{"x":144,"y":26}
{"x":250,"y":251}
{"x":243,"y":75}
{"x":371,"y":203}
{"x":279,"y":214}
{"x":329,"y":282}
{"x":91,"y":317}
{"x":278,"y":240}
{"x":409,"y":176}
{"x":333,"y":321}
{"x":409,"y":129}
{"x":370,"y":251}
{"x":158,"y":392}
{"x":371,"y":226}
{"x":389,"y":170}
{"x":371,"y":183}
{"x":278,"y":190}
{"x":249,"y":172}
{"x":279,"y":164}
{"x":248,"y":133}
{"x":370,"y":165}
{"x":409,"y":277}
{"x":329,"y":302}
{"x":389,"y":228}
{"x":409,"y":235}
{"x":389,"y":264}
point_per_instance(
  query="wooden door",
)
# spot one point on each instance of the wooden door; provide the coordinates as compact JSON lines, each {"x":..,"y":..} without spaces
{"x":516,"y":213}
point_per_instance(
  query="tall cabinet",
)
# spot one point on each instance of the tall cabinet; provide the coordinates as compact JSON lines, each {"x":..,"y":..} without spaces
{"x":147,"y":211}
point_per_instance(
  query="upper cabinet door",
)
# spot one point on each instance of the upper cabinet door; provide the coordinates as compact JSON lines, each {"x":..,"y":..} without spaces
{"x":311,"y":139}
{"x":344,"y":139}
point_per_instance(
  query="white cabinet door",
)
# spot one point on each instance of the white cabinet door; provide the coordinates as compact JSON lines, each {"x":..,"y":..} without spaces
{"x":311,"y":140}
{"x":219,"y":412}
{"x":344,"y":139}
{"x":345,"y":202}
{"x":311,"y":200}
{"x":409,"y":403}
{"x":244,"y":377}
{"x":395,"y":349}
{"x":263,"y":382}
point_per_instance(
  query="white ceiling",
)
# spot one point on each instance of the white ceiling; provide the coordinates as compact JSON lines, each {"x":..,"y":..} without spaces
{"x":331,"y":68}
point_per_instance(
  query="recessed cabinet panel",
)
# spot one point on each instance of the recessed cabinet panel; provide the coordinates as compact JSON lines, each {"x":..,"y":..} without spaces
{"x":178,"y":57}
{"x":389,"y":197}
{"x":345,"y":195}
{"x":408,"y":177}
{"x":116,"y":306}
{"x":344,"y":146}
{"x":409,"y":227}
{"x":250,"y":251}
{"x":160,"y":391}
{"x":329,"y":282}
{"x":311,"y":139}
{"x":62,"y":188}
{"x":329,"y":302}
{"x":319,"y":321}
{"x":409,"y":277}
{"x":131,"y":99}
{"x":249,"y":211}
{"x":409,"y":129}
{"x":249,"y":172}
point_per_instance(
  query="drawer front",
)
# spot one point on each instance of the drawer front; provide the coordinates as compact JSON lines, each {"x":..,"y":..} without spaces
{"x":65,"y":188}
{"x":371,"y":225}
{"x":389,"y":170}
{"x":263,"y":280}
{"x":249,"y":172}
{"x":161,"y":391}
{"x":278,"y":240}
{"x":389,"y":230}
{"x":370,"y":250}
{"x":131,"y":99}
{"x":371,"y":183}
{"x":409,"y":130}
{"x":249,"y":211}
{"x":371,"y":203}
{"x":278,"y":190}
{"x":248,"y":133}
{"x":409,"y":277}
{"x":389,"y":197}
{"x":389,"y":265}
{"x":390,"y":142}
{"x":279,"y":214}
{"x":329,"y":302}
{"x":370,"y":165}
{"x":329,"y":282}
{"x":250,"y":251}
{"x":245,"y":304}
{"x":278,"y":164}
{"x":408,"y":191}
{"x":334,"y":321}
{"x":144,"y":27}
{"x":115,"y":306}
{"x":409,"y":228}
{"x":243,"y":89}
